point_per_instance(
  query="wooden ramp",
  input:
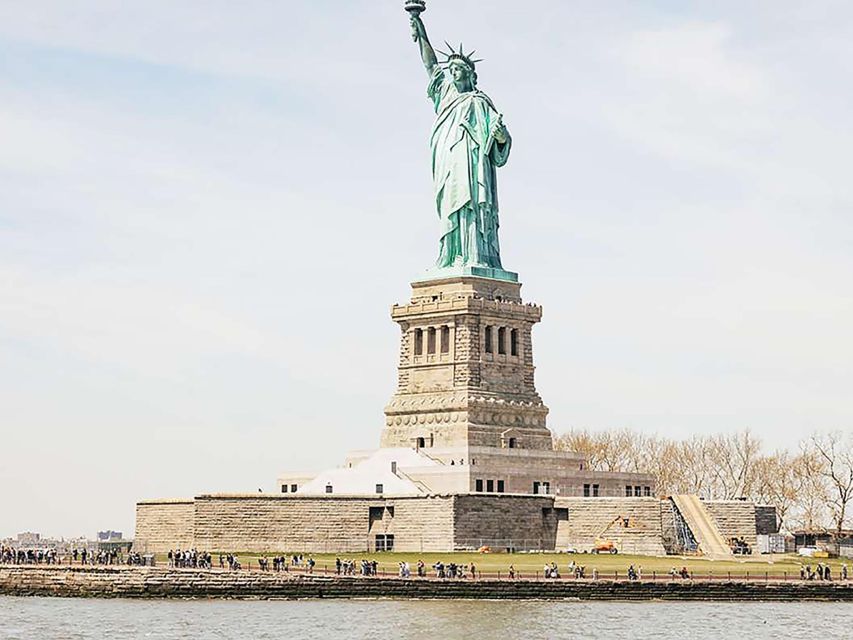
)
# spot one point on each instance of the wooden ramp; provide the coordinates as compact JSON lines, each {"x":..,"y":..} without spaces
{"x":711,"y":542}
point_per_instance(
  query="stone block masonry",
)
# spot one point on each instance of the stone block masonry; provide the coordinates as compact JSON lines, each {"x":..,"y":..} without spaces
{"x":165,"y":524}
{"x":80,"y":582}
{"x":583,"y":520}
{"x":267,"y":523}
{"x":345,"y":524}
{"x":272,"y":523}
{"x":734,"y":519}
{"x":504,"y":522}
{"x":466,"y":370}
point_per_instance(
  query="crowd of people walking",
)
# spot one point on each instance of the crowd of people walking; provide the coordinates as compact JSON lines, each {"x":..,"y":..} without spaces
{"x":822,"y":572}
{"x":52,"y":556}
{"x":348,"y":567}
{"x":280,"y":563}
{"x":195,"y":559}
{"x":189,"y":559}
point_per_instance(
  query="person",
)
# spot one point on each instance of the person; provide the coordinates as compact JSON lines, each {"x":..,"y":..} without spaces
{"x":511,"y":572}
{"x":469,"y":141}
{"x":473,"y":571}
{"x":844,"y":571}
{"x":827,"y":572}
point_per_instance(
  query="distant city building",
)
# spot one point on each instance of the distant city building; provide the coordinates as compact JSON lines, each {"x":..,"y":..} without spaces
{"x":32,"y":540}
{"x":28,"y":538}
{"x":109,"y":536}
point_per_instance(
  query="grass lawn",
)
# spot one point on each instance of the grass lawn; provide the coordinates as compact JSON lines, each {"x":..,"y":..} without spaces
{"x":528,"y":564}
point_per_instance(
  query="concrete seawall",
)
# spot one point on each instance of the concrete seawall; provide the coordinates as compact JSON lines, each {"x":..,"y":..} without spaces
{"x":185,"y":583}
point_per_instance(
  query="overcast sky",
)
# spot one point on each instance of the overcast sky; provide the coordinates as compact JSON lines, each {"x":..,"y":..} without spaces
{"x":207,"y":209}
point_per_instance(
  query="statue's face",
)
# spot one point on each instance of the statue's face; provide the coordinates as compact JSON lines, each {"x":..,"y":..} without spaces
{"x":461,"y":75}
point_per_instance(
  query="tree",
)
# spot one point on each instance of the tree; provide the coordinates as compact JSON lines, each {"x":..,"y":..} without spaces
{"x":811,"y":488}
{"x":732,"y":461}
{"x":810,"y":508}
{"x":834,"y":463}
{"x":778,"y":483}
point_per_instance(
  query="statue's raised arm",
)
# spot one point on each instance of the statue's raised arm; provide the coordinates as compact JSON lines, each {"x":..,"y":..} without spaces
{"x":419,"y":35}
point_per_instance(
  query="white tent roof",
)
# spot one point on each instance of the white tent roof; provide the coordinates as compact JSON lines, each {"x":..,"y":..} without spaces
{"x":362,"y":478}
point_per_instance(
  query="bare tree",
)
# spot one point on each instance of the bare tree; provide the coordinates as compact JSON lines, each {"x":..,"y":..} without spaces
{"x":834,"y":453}
{"x":591,"y":445}
{"x":810,"y":508}
{"x":665,"y":460}
{"x":777,"y":483}
{"x":811,"y":488}
{"x":732,"y":464}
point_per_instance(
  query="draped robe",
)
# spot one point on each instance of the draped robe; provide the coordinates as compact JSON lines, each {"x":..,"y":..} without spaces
{"x":465,"y":155}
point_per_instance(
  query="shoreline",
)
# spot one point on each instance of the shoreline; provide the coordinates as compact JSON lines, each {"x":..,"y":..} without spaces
{"x":169,"y":583}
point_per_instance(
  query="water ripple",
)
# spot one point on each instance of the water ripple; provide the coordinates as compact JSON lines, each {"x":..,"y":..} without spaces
{"x":76,"y":619}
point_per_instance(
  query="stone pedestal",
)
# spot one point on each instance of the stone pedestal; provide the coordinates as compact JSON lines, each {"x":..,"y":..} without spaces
{"x":466,"y":368}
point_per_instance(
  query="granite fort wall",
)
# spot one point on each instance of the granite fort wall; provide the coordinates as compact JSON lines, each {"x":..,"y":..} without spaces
{"x":261,"y":523}
{"x":271,"y":523}
{"x":316,"y":524}
{"x":734,"y":519}
{"x":163,"y":525}
{"x":504,"y":521}
{"x":417,"y":524}
{"x":582,"y":520}
{"x":164,"y":583}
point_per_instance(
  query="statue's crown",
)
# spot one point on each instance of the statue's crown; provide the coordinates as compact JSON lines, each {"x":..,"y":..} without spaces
{"x":460,"y":55}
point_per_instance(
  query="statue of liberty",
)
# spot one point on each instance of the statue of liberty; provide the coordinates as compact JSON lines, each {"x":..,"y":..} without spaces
{"x":468,"y":142}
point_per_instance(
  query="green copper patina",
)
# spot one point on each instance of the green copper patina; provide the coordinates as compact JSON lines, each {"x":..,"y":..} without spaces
{"x":469,"y":141}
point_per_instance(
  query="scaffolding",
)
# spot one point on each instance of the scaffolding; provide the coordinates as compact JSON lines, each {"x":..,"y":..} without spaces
{"x":678,"y":538}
